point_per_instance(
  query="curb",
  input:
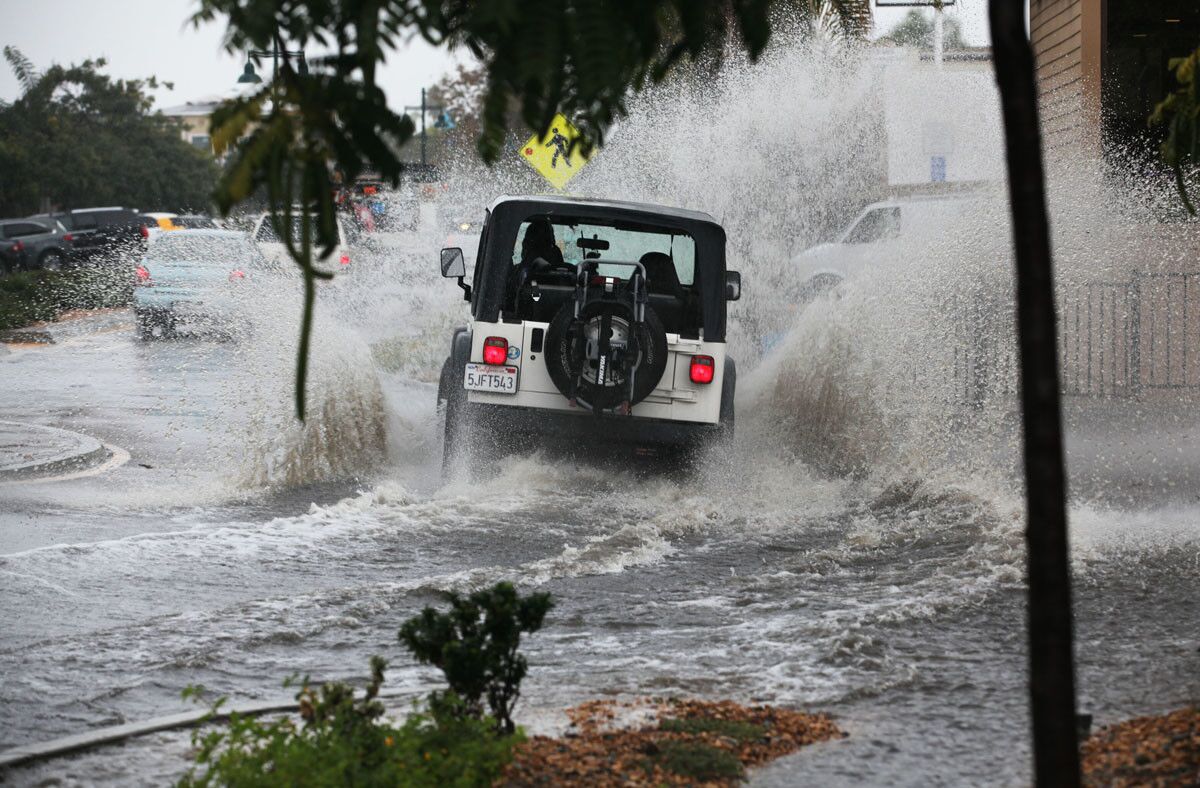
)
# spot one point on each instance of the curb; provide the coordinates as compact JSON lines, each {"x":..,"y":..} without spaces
{"x":81,"y":452}
{"x":26,"y":336}
{"x":32,"y":752}
{"x":25,"y":753}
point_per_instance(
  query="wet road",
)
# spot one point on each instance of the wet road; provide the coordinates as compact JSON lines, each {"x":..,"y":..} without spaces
{"x":235,"y":549}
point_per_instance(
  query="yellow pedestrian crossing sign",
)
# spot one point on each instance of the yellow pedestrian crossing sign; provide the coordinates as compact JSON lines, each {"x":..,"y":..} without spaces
{"x":552,"y":155}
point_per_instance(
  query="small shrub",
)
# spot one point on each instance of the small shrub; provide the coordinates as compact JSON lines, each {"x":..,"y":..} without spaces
{"x":342,"y":741}
{"x":475,"y":645}
{"x":733,"y":729}
{"x":696,"y":761}
{"x":29,"y":297}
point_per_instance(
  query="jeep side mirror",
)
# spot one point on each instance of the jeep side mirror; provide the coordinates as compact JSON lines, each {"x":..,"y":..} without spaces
{"x":733,"y":285}
{"x":453,"y":264}
{"x":455,"y":267}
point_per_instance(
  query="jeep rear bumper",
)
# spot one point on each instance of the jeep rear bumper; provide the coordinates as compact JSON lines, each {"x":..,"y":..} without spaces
{"x":585,"y":432}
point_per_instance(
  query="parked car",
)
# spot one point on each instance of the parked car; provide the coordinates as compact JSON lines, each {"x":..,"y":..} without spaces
{"x":872,"y":238}
{"x":191,"y":279}
{"x":196,"y":221}
{"x":103,"y":233}
{"x":596,"y":326}
{"x":162,"y":221}
{"x":27,"y":244}
{"x":274,"y":249}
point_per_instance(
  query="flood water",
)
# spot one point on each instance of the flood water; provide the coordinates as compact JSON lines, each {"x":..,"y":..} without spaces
{"x":860,"y":551}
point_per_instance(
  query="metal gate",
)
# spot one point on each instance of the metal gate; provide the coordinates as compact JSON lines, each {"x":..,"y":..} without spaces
{"x":1166,"y":345}
{"x":1118,"y":339}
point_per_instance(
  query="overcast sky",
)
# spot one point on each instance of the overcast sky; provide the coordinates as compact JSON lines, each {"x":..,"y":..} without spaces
{"x":152,"y":37}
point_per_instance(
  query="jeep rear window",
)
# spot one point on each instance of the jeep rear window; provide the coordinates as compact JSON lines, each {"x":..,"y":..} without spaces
{"x":625,"y":245}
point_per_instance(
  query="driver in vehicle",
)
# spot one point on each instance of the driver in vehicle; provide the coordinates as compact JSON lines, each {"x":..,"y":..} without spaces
{"x":539,"y":243}
{"x":539,"y":253}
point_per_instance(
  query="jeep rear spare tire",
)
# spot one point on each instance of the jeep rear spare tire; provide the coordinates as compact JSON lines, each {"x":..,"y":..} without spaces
{"x":599,"y":382}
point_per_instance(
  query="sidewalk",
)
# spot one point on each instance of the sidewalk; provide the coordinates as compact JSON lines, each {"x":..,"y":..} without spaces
{"x":30,"y":451}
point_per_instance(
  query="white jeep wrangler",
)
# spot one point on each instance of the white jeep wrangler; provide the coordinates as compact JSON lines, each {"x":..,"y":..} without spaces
{"x":595,"y":326}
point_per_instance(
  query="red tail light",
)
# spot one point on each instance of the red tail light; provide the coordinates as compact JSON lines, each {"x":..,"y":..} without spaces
{"x":345,"y":259}
{"x":145,"y":231}
{"x":236,"y":275}
{"x":703,"y":369}
{"x":495,"y":350}
{"x":69,"y":238}
{"x":141,"y":275}
{"x":19,"y":246}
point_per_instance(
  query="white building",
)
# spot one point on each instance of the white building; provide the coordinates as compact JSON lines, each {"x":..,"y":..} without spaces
{"x":196,"y":115}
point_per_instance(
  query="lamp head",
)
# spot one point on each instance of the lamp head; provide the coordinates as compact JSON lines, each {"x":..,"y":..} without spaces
{"x":248,"y":76}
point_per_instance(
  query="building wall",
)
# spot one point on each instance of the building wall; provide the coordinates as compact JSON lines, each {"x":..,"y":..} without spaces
{"x":1067,"y":38}
{"x":195,"y":131}
{"x":942,"y":122}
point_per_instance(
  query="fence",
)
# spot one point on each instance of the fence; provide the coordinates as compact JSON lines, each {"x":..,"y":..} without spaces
{"x":1121,"y":339}
{"x":1116,"y":339}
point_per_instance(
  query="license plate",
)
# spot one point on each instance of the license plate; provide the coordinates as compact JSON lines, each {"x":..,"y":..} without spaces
{"x":485,"y":377}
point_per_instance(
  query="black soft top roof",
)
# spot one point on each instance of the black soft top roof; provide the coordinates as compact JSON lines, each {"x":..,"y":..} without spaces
{"x":507,"y":214}
{"x":614,"y":208}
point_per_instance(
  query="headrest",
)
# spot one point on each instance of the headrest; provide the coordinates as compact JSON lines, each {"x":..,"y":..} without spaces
{"x":660,"y":271}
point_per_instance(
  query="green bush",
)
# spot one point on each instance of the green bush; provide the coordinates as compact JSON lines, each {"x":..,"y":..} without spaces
{"x":696,"y":760}
{"x":28,"y":297}
{"x":475,"y":645}
{"x":34,"y":296}
{"x":343,"y":741}
{"x":732,"y":729}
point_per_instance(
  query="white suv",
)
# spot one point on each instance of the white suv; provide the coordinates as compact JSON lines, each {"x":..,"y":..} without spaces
{"x":873,"y":237}
{"x":595,"y":325}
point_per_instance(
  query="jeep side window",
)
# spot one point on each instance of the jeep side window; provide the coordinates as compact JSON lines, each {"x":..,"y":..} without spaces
{"x":877,"y":225}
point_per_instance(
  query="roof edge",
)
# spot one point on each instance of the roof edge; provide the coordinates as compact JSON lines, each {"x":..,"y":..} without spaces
{"x":624,"y":205}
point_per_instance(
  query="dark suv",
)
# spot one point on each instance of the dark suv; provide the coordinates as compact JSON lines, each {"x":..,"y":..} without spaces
{"x":26,"y":244}
{"x":103,"y":233}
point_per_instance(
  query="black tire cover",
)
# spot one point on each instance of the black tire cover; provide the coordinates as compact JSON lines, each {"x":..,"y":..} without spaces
{"x":651,"y":338}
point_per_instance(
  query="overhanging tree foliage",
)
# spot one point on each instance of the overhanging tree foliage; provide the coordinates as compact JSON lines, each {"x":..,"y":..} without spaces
{"x":76,"y":137}
{"x":916,"y":30}
{"x":1180,"y":113}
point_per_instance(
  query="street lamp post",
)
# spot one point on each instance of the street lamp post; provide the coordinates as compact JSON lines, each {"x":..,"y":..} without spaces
{"x":442,"y":122}
{"x":276,"y":54}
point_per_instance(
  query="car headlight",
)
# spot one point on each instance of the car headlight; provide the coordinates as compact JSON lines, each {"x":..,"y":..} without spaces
{"x":465,"y":226}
